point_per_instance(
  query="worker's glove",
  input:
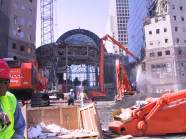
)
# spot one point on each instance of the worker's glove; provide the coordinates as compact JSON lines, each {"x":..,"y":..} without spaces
{"x":4,"y":120}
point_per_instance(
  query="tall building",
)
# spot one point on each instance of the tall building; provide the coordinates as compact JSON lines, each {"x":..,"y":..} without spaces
{"x":165,"y":35}
{"x":138,"y":11}
{"x":22,"y":28}
{"x":4,"y":22}
{"x":119,"y":18}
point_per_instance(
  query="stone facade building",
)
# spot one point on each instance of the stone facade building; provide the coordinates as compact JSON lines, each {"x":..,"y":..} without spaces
{"x":165,"y":34}
{"x":19,"y":20}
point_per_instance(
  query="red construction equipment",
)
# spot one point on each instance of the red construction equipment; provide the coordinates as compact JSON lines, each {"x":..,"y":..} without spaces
{"x":160,"y":116}
{"x":25,"y":78}
{"x":122,"y":81}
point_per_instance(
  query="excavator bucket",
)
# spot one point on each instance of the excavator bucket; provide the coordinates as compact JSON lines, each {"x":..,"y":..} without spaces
{"x":164,"y":115}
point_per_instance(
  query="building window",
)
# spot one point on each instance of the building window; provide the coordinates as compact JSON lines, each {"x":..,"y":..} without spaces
{"x":1,"y":3}
{"x":15,"y":19}
{"x":177,"y":40}
{"x":29,"y":50}
{"x":181,"y":8}
{"x":22,"y":48}
{"x":29,"y":37}
{"x":176,"y":29}
{"x":156,"y":20}
{"x":159,"y":53}
{"x":179,"y":51}
{"x":165,"y":29}
{"x":19,"y":29}
{"x":164,"y":18}
{"x":23,"y":7}
{"x":184,"y":41}
{"x":30,"y":11}
{"x":30,"y":1}
{"x":167,"y":52}
{"x":150,"y":32}
{"x":184,"y":29}
{"x":174,"y":18}
{"x":166,"y":40}
{"x":182,"y":18}
{"x":151,"y":43}
{"x":173,"y":6}
{"x":152,"y":54}
{"x":157,"y":31}
{"x":13,"y":45}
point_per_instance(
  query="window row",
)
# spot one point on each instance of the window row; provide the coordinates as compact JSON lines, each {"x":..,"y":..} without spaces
{"x":177,"y":41}
{"x":179,"y":7}
{"x":176,"y":18}
{"x":122,"y":7}
{"x":18,"y":33}
{"x":22,"y":48}
{"x":158,"y":31}
{"x":176,"y":29}
{"x":159,"y":53}
{"x":21,"y":21}
{"x":166,"y":52}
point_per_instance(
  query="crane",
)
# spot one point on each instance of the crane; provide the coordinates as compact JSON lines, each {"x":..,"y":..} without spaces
{"x":101,"y":91}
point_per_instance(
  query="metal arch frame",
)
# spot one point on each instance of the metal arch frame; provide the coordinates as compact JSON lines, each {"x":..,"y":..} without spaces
{"x":90,"y":34}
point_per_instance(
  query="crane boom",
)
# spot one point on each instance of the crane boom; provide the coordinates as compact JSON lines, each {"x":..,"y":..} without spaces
{"x":101,"y":62}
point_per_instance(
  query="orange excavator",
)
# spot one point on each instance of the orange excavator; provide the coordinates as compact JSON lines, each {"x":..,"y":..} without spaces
{"x":25,"y":78}
{"x":164,"y":115}
{"x":122,"y":81}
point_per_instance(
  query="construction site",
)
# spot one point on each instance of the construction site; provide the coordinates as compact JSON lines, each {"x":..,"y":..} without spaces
{"x":74,"y":88}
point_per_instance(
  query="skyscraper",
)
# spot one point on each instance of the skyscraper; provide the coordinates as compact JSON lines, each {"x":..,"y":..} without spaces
{"x":138,"y":11}
{"x":21,"y":28}
{"x":119,"y":18}
{"x":4,"y":26}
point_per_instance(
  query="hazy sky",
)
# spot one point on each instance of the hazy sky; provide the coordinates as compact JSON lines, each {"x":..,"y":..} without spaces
{"x":72,"y":14}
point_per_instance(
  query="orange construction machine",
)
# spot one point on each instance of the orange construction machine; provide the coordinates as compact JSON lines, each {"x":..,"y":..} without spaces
{"x":25,"y":78}
{"x":164,"y":115}
{"x":122,"y":82}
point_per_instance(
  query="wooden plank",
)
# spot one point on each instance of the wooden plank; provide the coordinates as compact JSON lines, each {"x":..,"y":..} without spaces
{"x":74,"y":137}
{"x":66,"y":117}
{"x":90,"y":119}
{"x":23,"y":109}
{"x":70,"y":117}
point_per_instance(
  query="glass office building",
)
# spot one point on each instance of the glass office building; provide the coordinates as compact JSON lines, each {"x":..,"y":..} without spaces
{"x":138,"y":11}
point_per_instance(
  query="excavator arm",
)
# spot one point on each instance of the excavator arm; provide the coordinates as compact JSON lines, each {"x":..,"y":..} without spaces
{"x":164,"y":115}
{"x":102,"y":92}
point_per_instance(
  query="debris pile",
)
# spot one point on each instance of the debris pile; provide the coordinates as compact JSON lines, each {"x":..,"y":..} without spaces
{"x":42,"y":131}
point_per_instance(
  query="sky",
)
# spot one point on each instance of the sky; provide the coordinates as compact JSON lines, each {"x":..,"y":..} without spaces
{"x":92,"y":15}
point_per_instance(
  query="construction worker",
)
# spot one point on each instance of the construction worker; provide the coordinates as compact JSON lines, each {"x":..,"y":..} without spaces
{"x":12,"y":123}
{"x":82,"y":97}
{"x":71,"y":97}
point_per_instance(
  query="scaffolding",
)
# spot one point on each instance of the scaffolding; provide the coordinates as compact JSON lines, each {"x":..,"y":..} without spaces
{"x":47,"y":36}
{"x":47,"y":31}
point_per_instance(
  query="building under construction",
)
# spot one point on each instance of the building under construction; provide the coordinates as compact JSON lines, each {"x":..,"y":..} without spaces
{"x":76,"y":56}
